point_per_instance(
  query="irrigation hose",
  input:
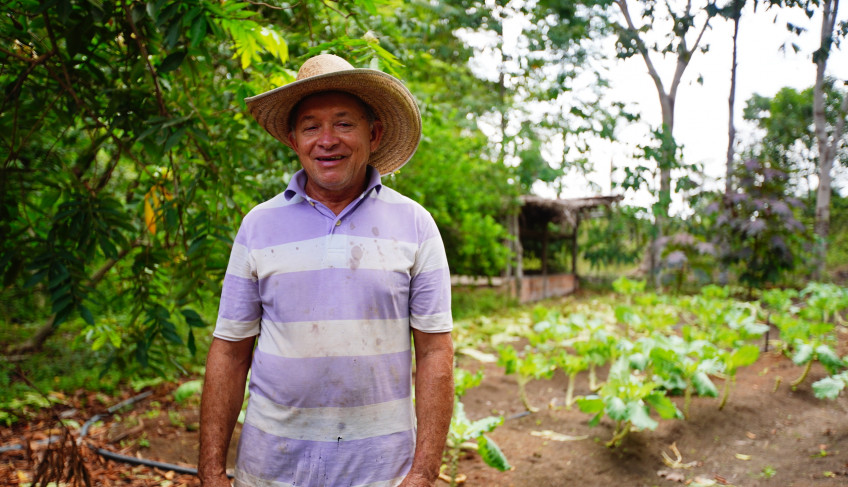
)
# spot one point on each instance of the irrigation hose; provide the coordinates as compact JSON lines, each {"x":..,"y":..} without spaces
{"x":110,"y":454}
{"x":133,"y":460}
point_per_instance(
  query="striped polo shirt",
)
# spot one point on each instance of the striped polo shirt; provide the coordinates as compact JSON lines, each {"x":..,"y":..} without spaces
{"x":333,"y":299}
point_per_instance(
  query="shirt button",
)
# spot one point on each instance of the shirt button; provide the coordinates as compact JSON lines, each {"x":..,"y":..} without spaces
{"x":338,"y":222}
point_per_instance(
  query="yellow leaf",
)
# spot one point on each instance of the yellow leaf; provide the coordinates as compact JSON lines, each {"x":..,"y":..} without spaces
{"x":741,"y":456}
{"x":150,"y":199}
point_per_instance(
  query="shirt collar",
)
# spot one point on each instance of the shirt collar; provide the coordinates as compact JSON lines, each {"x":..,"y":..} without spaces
{"x":297,"y":185}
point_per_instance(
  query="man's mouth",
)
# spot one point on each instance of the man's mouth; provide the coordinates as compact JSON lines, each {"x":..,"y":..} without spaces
{"x":330,"y":158}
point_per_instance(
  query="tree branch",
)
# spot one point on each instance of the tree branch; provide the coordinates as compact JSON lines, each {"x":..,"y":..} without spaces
{"x":35,"y":342}
{"x":143,"y":50}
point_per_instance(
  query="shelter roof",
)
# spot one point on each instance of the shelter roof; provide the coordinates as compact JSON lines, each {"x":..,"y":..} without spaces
{"x":537,"y":210}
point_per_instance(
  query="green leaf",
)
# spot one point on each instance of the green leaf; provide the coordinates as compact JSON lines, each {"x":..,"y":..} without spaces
{"x":704,"y":386}
{"x":591,"y":404}
{"x":663,"y":405}
{"x":172,"y":61}
{"x":638,"y":415}
{"x":492,"y":454}
{"x":828,"y":357}
{"x":803,"y":354}
{"x":743,"y":356}
{"x":86,"y":315}
{"x":190,"y":344}
{"x":198,"y":30}
{"x":192,"y":318}
{"x":188,"y":389}
{"x":368,"y":5}
{"x":829,"y":387}
{"x":638,"y":361}
{"x":616,"y":408}
{"x":484,"y":425}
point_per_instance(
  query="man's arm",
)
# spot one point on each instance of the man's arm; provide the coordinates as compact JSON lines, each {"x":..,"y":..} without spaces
{"x":433,"y":405}
{"x":223,"y":394}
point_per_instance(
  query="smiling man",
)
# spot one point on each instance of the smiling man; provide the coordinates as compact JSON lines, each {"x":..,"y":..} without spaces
{"x":329,"y":285}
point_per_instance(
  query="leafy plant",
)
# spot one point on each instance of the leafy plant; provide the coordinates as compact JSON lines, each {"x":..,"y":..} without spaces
{"x":463,"y":431}
{"x":527,"y":367}
{"x":627,"y":398}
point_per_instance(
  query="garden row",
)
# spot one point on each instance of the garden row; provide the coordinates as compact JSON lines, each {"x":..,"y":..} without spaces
{"x":653,"y":347}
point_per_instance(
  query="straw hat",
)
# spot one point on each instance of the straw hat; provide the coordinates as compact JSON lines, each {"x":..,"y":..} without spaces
{"x":391,"y":101}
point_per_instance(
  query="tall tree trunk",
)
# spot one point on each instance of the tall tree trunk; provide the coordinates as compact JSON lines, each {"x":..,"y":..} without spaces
{"x":827,"y":145}
{"x":731,"y":101}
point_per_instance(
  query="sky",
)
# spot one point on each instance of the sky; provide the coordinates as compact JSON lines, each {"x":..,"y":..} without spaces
{"x":701,"y":114}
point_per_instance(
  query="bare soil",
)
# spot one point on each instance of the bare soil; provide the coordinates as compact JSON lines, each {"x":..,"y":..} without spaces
{"x":765,"y":436}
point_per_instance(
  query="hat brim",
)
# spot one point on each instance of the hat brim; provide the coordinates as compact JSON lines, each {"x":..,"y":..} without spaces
{"x":392,"y":102}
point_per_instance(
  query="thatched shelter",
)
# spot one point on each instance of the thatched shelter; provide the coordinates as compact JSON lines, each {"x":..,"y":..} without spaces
{"x":540,"y":222}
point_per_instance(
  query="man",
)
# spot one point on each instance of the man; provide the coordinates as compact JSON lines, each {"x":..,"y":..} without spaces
{"x":328,"y":280}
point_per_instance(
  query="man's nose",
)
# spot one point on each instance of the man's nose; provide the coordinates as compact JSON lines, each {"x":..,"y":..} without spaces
{"x":328,"y":138}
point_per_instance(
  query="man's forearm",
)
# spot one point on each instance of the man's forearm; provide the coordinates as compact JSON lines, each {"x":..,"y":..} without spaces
{"x":433,"y":402}
{"x":223,"y":394}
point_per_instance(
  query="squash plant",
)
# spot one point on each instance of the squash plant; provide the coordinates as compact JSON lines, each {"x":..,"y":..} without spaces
{"x":680,"y":365}
{"x":467,"y":434}
{"x":810,"y":336}
{"x":530,"y":366}
{"x":597,"y":346}
{"x":571,"y":365}
{"x":624,"y":313}
{"x":627,"y":397}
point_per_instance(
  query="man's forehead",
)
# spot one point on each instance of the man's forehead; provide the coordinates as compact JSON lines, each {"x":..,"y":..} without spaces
{"x":345,"y":104}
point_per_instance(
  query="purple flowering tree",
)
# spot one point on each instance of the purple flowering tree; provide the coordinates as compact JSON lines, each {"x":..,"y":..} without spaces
{"x":757,"y":225}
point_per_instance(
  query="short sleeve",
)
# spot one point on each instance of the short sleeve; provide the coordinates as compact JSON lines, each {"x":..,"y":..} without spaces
{"x":430,"y":289}
{"x":240,"y":308}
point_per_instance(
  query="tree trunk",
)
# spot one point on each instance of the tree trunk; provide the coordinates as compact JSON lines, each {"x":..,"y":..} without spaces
{"x":826,"y":145}
{"x":731,"y":101}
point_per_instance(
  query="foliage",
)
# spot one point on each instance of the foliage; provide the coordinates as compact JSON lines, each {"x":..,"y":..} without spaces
{"x":618,"y":237}
{"x":757,"y":228}
{"x":129,"y":159}
{"x":467,"y":214}
{"x":686,"y":261}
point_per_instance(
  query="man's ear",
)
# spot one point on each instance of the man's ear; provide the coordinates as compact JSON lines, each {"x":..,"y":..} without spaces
{"x":376,"y":134}
{"x":292,"y":140}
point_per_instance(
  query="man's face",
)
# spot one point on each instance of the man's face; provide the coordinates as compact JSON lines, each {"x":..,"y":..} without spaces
{"x":334,"y":140}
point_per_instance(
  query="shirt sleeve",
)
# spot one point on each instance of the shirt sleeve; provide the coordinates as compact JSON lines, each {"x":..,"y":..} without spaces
{"x":240,"y":308}
{"x":429,"y":287}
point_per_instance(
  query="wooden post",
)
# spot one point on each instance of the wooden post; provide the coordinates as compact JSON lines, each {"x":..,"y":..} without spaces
{"x":574,"y":245}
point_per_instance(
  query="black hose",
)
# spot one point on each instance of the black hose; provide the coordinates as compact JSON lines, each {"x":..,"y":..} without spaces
{"x":112,"y":455}
{"x":126,"y":458}
{"x":140,"y":461}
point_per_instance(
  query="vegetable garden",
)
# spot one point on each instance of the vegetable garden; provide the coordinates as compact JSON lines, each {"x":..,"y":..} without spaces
{"x":616,"y":376}
{"x":623,"y":388}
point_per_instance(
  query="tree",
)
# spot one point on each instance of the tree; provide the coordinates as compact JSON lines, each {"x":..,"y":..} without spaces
{"x":828,"y":138}
{"x":828,"y":143}
{"x":682,"y":41}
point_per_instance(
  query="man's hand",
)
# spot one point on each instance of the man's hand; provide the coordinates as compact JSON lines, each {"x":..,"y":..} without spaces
{"x":218,"y":481}
{"x":414,"y":480}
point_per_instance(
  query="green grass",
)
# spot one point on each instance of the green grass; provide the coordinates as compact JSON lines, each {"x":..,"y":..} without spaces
{"x":469,"y":302}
